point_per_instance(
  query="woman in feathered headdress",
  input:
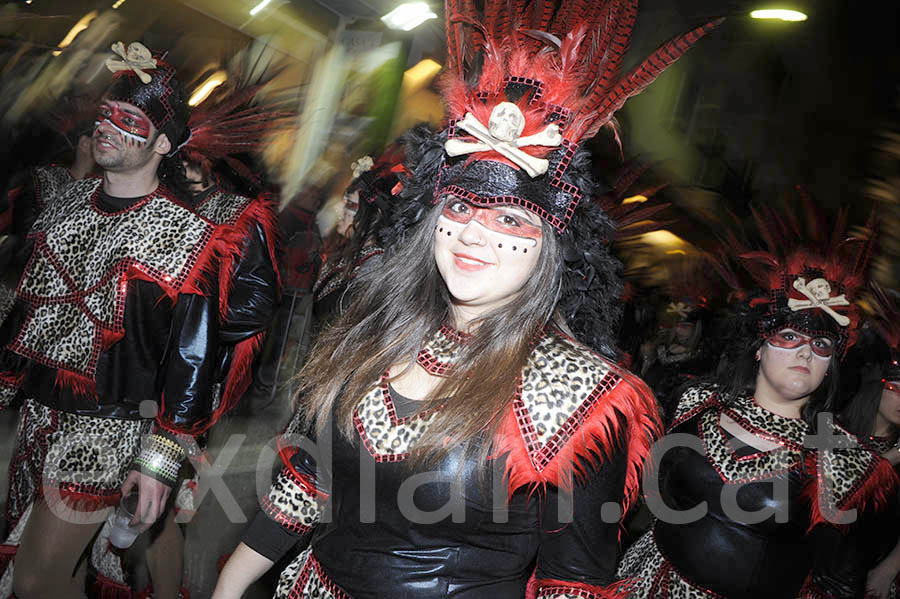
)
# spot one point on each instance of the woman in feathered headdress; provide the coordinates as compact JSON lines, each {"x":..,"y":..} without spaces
{"x":477,"y":434}
{"x":763,"y":494}
{"x":873,"y":415}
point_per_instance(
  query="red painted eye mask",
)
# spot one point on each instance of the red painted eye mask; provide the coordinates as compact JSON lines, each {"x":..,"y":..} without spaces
{"x":495,"y":219}
{"x":820,"y":346}
{"x":124,"y":121}
{"x":891,"y":386}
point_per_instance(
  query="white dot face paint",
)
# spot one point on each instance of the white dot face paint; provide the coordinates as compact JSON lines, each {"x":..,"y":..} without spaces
{"x":486,"y":255}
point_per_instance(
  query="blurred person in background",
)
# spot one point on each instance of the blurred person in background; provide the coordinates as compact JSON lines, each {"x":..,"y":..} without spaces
{"x":873,"y":415}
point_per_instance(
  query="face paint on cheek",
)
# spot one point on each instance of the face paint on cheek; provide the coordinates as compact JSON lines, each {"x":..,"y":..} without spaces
{"x":491,"y":219}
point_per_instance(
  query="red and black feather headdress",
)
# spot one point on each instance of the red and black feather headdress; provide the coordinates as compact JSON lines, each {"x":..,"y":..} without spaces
{"x":550,"y":77}
{"x":807,"y":276}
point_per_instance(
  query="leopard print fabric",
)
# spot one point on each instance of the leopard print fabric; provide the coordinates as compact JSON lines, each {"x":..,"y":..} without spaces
{"x":304,"y":578}
{"x":292,"y":503}
{"x":223,"y":208}
{"x":387,"y":437}
{"x":74,"y":285}
{"x":85,"y":458}
{"x":846,"y":468}
{"x":735,"y":469}
{"x":329,"y":280}
{"x":49,"y":183}
{"x":441,"y":352}
{"x":692,"y":401}
{"x":561,"y":382}
{"x":8,"y":392}
{"x":7,"y":299}
{"x":651,"y":576}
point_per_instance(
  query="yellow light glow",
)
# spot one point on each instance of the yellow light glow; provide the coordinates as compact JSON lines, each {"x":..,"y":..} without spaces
{"x":408,"y":16}
{"x":780,"y":14}
{"x":663,"y":238}
{"x":682,"y":252}
{"x":259,"y":7}
{"x":118,"y":3}
{"x":74,"y":31}
{"x":421,"y":73}
{"x":202,"y":92}
{"x":638,"y":199}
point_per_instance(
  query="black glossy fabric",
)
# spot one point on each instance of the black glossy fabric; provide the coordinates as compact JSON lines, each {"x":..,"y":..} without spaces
{"x":420,"y":535}
{"x":765,"y":559}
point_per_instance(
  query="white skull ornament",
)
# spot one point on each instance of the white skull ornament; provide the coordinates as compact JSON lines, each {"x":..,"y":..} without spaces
{"x":506,"y":122}
{"x":820,"y":289}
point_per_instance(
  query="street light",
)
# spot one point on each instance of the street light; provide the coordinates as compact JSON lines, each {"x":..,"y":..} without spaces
{"x":408,"y":16}
{"x":780,"y":14}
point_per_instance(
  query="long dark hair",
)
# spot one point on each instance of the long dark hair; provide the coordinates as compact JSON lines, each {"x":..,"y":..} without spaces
{"x":398,"y":307}
{"x":739,"y":380}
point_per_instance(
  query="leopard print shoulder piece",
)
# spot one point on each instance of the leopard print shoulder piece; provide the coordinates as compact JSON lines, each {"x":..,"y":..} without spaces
{"x":222,"y":208}
{"x":49,"y":182}
{"x":441,"y":352}
{"x":693,"y":401}
{"x":574,"y":407}
{"x":848,"y":476}
{"x":330,"y":280}
{"x":386,"y":436}
{"x":75,"y":283}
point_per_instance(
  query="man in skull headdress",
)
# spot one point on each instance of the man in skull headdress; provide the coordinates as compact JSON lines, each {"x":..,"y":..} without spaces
{"x":112,"y":341}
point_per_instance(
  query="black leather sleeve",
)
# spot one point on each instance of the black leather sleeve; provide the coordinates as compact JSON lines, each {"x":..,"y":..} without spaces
{"x":189,"y":364}
{"x":839,"y":562}
{"x":579,"y":534}
{"x":253,"y":290}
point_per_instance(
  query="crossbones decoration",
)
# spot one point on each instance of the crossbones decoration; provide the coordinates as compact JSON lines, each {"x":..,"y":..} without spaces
{"x":503,"y":135}
{"x":681,"y":309}
{"x":138,"y":58}
{"x":818,"y":292}
{"x":362,"y":165}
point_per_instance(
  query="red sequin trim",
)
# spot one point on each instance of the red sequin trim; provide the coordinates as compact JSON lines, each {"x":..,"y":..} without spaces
{"x":281,"y":517}
{"x":313,"y":565}
{"x":394,"y":421}
{"x":541,"y":455}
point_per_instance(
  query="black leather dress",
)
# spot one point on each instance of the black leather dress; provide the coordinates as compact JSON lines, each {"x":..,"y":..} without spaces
{"x":383,"y":529}
{"x":752,"y":538}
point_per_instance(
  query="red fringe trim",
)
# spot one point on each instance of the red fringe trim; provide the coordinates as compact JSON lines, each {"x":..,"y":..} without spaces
{"x":81,"y":501}
{"x":596,"y":437}
{"x":548,"y":588}
{"x":107,"y":588}
{"x":262,"y":211}
{"x":78,"y":384}
{"x":240,"y":375}
{"x":7,"y":556}
{"x":874,"y":494}
{"x":148,"y":593}
{"x":12,"y":380}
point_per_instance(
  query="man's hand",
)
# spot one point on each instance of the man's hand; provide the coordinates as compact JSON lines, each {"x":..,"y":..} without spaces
{"x":152,"y":496}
